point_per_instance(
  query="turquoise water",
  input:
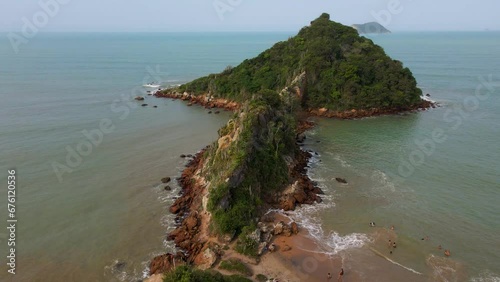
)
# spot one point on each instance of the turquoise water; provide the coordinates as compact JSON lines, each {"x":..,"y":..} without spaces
{"x":111,"y":207}
{"x":446,"y":188}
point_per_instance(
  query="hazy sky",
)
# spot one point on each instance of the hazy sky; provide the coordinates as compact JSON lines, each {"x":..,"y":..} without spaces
{"x":245,"y":15}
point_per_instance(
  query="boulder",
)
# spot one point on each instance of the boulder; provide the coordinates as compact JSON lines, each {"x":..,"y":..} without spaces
{"x":341,"y":180}
{"x":139,"y":98}
{"x":161,"y":264}
{"x":278,"y":228}
{"x":165,"y":180}
{"x":294,"y":227}
{"x":191,"y":222}
{"x":263,"y":227}
{"x":300,"y":195}
{"x":262,"y":248}
{"x":272,"y":248}
{"x":175,"y":209}
{"x":119,"y":265}
{"x":288,"y":204}
{"x":144,"y":105}
{"x":168,"y":188}
{"x":206,"y":259}
{"x":287,"y":230}
{"x":266,"y":237}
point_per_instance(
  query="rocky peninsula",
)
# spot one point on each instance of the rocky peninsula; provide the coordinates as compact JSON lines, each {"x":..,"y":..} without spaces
{"x":257,"y":165}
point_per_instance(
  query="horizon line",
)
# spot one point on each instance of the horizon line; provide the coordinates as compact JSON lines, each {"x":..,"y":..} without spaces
{"x":239,"y":31}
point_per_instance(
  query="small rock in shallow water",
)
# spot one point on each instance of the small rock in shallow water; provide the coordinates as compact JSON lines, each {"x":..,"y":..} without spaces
{"x":341,"y":180}
{"x":168,"y":188}
{"x":166,"y":180}
{"x":144,"y":105}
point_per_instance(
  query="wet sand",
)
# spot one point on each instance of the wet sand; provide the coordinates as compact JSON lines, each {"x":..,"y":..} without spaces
{"x":308,"y":261}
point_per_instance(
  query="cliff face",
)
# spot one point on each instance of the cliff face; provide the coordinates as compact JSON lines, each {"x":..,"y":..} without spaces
{"x":327,"y":64}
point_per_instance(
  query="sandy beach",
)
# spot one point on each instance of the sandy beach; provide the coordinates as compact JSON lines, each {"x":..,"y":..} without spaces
{"x":308,"y":261}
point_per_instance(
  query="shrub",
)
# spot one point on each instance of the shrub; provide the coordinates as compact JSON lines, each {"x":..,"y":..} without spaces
{"x":235,"y":265}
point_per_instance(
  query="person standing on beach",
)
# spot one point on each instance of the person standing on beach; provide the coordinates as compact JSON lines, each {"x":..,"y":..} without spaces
{"x":341,"y":274}
{"x":329,"y":276}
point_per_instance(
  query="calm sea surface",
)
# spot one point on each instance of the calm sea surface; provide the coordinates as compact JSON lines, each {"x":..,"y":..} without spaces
{"x":90,"y":206}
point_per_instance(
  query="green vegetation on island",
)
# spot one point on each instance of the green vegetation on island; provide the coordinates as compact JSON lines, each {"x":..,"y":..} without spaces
{"x":188,"y":274}
{"x":248,"y":161}
{"x":328,"y":65}
{"x":256,"y":162}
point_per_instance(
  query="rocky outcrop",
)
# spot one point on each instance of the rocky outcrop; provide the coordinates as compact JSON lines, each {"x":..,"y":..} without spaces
{"x":341,"y":180}
{"x":302,"y":191}
{"x":206,"y":259}
{"x":195,"y":210}
{"x":204,"y":100}
{"x":356,"y":114}
{"x":188,"y":236}
{"x":163,"y":264}
{"x":295,"y":228}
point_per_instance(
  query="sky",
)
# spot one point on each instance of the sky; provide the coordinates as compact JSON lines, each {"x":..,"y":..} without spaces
{"x":243,"y":15}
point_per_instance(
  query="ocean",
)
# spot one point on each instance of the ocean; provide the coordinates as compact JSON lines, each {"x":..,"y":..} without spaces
{"x":89,"y":159}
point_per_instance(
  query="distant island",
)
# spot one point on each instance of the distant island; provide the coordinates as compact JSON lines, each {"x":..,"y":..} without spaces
{"x":257,"y":164}
{"x":371,"y":27}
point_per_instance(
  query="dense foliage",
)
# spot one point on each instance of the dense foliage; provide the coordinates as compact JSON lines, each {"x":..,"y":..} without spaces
{"x":343,"y":71}
{"x":248,"y":161}
{"x":188,"y":274}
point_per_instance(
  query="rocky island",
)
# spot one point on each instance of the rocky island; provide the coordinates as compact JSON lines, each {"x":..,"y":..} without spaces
{"x":371,"y":28}
{"x":257,"y":164}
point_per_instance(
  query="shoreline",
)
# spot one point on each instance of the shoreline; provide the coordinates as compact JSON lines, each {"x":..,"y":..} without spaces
{"x":192,"y":236}
{"x":296,"y":256}
{"x":206,"y":101}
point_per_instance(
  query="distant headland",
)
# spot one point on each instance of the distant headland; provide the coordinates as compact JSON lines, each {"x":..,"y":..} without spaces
{"x":371,"y":27}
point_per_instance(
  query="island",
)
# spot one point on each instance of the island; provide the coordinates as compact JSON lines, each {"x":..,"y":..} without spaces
{"x":257,"y":163}
{"x":371,"y":27}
